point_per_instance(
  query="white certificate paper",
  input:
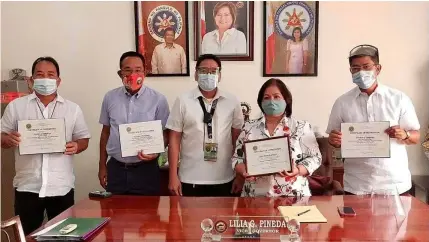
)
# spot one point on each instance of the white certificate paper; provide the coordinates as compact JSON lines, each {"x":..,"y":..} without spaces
{"x":267,"y":156}
{"x":365,"y":140}
{"x":42,"y":136}
{"x":146,"y":136}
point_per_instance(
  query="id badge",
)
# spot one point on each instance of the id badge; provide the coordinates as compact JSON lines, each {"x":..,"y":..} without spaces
{"x":210,"y":152}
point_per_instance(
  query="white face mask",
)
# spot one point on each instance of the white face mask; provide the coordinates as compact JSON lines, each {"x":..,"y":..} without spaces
{"x":208,"y":82}
{"x":45,"y":86}
{"x":364,"y":79}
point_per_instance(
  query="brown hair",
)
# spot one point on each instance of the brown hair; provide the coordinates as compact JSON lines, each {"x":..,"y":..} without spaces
{"x":232,"y":10}
{"x":293,"y":33}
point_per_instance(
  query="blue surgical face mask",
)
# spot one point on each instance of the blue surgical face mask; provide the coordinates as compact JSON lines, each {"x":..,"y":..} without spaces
{"x":45,"y":86}
{"x":364,"y":79}
{"x":274,"y":107}
{"x":208,"y":82}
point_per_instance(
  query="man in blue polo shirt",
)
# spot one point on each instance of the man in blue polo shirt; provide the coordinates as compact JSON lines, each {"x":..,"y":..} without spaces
{"x":134,"y":102}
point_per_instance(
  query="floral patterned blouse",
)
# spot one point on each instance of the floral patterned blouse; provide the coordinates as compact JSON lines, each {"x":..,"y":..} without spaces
{"x":425,"y":144}
{"x":304,"y":148}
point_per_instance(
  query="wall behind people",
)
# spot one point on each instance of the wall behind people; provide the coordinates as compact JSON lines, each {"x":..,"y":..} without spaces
{"x":87,"y":39}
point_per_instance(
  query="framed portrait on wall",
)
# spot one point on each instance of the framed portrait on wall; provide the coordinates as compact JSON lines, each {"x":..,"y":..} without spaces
{"x":290,"y":38}
{"x":162,"y":37}
{"x":224,"y":29}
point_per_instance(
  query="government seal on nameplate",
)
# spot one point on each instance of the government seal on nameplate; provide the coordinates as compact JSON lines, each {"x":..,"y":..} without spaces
{"x":221,"y":226}
{"x":291,"y":15}
{"x":161,"y":18}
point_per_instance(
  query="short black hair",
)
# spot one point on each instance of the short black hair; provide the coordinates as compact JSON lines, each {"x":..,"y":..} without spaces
{"x":48,"y":59}
{"x":201,"y":58}
{"x":131,"y":54}
{"x":283,"y":90}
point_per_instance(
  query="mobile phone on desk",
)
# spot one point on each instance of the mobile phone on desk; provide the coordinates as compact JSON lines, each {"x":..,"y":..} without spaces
{"x":100,"y":194}
{"x":346,"y":212}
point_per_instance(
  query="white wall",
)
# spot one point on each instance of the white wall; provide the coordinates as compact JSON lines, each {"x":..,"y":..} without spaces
{"x":87,"y":38}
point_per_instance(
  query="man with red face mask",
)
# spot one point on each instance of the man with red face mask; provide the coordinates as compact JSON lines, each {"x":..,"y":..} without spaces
{"x":132,"y":103}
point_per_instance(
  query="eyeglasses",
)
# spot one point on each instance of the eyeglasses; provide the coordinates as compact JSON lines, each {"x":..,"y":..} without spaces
{"x":368,"y":67}
{"x":368,"y":50}
{"x":204,"y":70}
{"x":129,"y":72}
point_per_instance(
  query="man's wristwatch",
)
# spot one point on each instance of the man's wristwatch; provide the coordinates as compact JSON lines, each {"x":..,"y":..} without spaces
{"x":408,"y":135}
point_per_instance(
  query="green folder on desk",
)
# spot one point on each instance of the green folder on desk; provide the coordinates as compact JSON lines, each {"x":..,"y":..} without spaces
{"x":85,"y":228}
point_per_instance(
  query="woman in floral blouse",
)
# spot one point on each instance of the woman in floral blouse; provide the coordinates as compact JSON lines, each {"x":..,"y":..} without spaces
{"x":275,"y":101}
{"x":425,"y":144}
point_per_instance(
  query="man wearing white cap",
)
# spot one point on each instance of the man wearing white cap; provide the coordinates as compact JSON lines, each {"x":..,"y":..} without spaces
{"x":372,"y":101}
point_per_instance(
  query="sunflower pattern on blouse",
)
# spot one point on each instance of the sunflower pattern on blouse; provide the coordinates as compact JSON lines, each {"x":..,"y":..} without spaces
{"x":304,"y":150}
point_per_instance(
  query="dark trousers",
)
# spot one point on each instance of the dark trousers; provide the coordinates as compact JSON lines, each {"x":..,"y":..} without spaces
{"x":218,"y":190}
{"x":31,"y":208}
{"x":141,"y":178}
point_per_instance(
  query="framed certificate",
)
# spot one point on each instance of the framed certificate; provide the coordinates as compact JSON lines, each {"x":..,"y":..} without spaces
{"x":146,"y":136}
{"x":42,"y":136}
{"x":365,"y":140}
{"x":268,"y":156}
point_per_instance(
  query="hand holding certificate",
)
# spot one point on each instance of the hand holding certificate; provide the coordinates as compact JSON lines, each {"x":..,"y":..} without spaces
{"x":42,"y":136}
{"x":267,"y":156}
{"x":146,"y":136}
{"x":365,"y":140}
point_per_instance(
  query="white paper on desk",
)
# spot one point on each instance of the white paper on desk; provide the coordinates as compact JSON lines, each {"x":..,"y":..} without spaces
{"x":146,"y":136}
{"x":312,"y":216}
{"x":47,"y":229}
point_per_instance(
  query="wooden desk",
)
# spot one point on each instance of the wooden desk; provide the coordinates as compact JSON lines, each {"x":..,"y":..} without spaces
{"x":420,"y":182}
{"x":179,"y":218}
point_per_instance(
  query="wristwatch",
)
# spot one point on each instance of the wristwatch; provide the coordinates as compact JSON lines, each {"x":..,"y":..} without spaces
{"x":408,"y":135}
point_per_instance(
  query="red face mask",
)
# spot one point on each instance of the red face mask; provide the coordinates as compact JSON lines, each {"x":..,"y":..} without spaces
{"x":133,"y":82}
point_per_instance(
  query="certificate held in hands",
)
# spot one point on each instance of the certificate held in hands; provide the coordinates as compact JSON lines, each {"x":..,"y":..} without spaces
{"x":146,"y":136}
{"x":365,"y":140}
{"x":268,"y":156}
{"x":42,"y":136}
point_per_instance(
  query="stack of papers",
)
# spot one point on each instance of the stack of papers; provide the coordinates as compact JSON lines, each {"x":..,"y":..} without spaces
{"x":312,"y":216}
{"x":85,"y":228}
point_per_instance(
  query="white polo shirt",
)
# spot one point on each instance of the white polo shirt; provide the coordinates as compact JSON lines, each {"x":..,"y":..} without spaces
{"x":46,"y":174}
{"x":233,"y":42}
{"x":186,"y":117}
{"x":385,"y":104}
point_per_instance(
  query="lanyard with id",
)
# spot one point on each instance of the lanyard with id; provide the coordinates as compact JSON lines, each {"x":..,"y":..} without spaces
{"x":53,"y":110}
{"x":210,"y":148}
